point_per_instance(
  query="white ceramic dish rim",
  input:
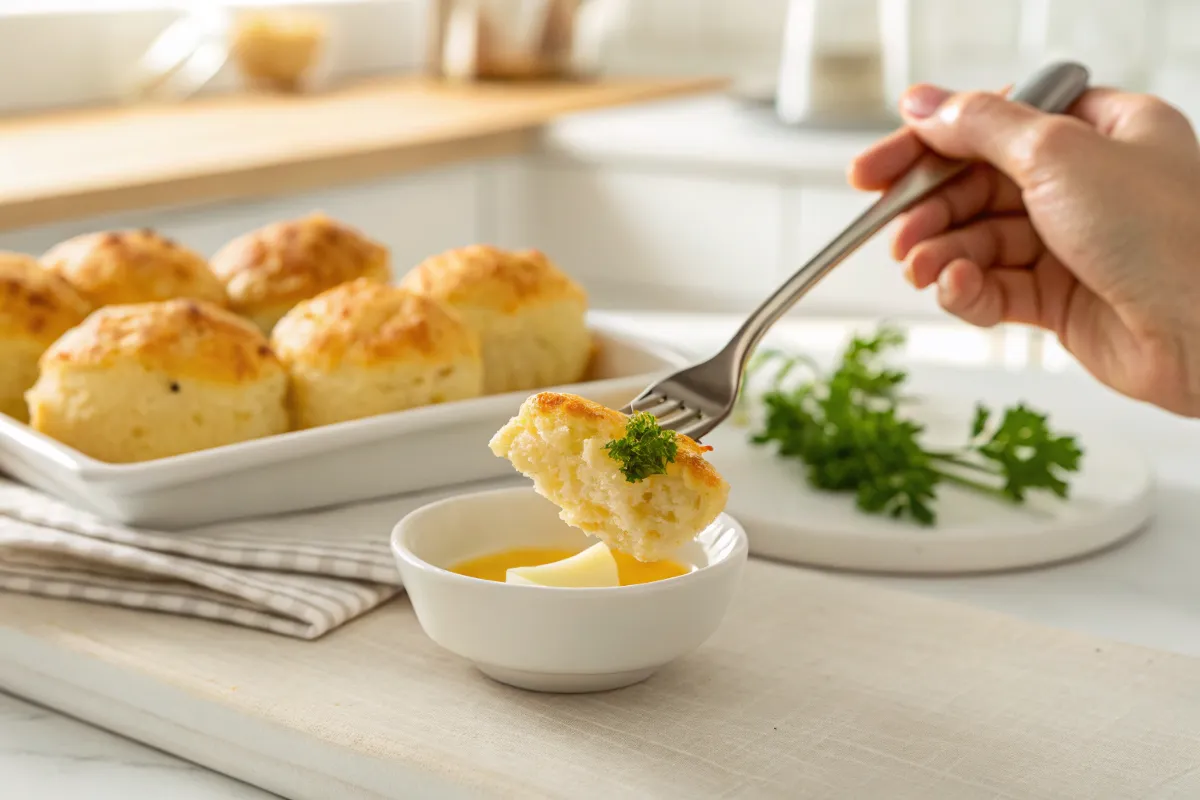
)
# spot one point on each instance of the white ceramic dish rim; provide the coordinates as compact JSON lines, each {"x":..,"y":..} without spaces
{"x":728,"y":559}
{"x":1043,"y":523}
{"x":259,"y":452}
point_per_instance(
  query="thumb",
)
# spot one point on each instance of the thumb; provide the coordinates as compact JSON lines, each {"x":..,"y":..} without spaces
{"x":1019,"y":140}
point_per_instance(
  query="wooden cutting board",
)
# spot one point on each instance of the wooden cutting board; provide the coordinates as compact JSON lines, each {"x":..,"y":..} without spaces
{"x":816,"y":686}
{"x":72,"y":164}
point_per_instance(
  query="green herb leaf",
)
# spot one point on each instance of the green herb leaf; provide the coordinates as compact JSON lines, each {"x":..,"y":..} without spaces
{"x":645,"y":450}
{"x":982,"y":414}
{"x":1029,"y":455}
{"x":846,"y":429}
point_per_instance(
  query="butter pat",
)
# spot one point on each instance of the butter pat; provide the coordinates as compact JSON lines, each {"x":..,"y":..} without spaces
{"x":594,"y":567}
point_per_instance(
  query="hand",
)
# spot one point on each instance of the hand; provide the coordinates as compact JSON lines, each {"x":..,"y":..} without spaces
{"x":1086,"y":225}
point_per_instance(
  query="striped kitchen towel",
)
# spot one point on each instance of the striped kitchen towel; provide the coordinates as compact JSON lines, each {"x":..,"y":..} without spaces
{"x":299,"y":575}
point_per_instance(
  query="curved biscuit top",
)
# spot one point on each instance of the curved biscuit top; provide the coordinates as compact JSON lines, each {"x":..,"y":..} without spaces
{"x":567,"y":407}
{"x":487,"y":277}
{"x":119,"y":267}
{"x":185,"y":338}
{"x":34,"y":303}
{"x":286,"y":262}
{"x":368,"y":323}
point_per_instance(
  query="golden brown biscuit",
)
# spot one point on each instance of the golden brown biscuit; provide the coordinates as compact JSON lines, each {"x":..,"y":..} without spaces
{"x":35,"y":308}
{"x":365,"y":348}
{"x":137,"y":382}
{"x":558,"y":440}
{"x":531,"y":317}
{"x":120,"y":267}
{"x":269,"y":270}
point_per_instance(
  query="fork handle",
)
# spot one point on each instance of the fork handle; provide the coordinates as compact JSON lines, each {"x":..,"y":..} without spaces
{"x":1052,"y":89}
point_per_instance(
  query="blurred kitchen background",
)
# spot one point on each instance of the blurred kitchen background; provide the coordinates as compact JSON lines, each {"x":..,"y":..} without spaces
{"x":690,"y":205}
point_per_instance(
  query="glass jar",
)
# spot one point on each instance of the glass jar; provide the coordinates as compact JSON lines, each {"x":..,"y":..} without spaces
{"x":835,"y":59}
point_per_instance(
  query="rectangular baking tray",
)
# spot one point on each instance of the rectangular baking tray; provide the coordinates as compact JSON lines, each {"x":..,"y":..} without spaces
{"x":406,"y":451}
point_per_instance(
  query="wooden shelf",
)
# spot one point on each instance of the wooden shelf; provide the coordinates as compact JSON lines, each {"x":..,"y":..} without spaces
{"x":75,"y":164}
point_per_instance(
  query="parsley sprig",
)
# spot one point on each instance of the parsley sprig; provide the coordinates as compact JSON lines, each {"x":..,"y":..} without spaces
{"x":848,"y":429}
{"x":645,"y":450}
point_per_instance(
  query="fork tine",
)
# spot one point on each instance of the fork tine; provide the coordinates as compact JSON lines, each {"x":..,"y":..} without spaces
{"x":673,"y":421}
{"x":695,"y":429}
{"x":648,"y":400}
{"x":664,"y":409}
{"x":648,"y":395}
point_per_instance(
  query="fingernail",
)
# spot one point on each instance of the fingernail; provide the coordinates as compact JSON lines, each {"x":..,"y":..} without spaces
{"x":945,"y":283}
{"x":909,"y":276}
{"x":922,"y":101}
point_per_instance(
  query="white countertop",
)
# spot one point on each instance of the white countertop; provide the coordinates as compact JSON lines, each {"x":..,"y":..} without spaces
{"x":713,"y":132}
{"x":1144,"y":592}
{"x":48,"y":756}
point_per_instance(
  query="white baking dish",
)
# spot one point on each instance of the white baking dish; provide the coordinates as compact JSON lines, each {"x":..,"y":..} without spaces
{"x":391,"y":454}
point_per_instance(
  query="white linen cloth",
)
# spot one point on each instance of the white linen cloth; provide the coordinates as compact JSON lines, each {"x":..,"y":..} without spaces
{"x":300,"y":575}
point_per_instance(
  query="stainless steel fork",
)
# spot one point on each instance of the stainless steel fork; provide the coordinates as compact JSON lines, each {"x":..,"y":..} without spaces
{"x":695,"y":400}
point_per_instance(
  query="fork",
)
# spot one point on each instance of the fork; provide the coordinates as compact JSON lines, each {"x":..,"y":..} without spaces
{"x":696,"y":399}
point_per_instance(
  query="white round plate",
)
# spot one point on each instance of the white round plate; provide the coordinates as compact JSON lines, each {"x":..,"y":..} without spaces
{"x":1111,"y":498}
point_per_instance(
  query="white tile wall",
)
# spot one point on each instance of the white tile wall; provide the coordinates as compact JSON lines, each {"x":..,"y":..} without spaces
{"x":26,"y":50}
{"x":749,"y":24}
{"x":965,"y":43}
{"x":643,"y":238}
{"x":675,"y":22}
{"x":88,"y":54}
{"x":1179,"y":28}
{"x":1111,"y":36}
{"x":1141,"y":44}
{"x":869,"y":281}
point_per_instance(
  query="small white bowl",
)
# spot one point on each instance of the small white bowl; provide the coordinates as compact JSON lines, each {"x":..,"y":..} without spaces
{"x":554,"y":639}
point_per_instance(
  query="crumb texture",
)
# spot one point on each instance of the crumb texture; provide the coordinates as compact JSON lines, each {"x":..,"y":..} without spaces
{"x":558,"y":440}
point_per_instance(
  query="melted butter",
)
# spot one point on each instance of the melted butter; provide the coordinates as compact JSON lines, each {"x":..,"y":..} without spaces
{"x":495,"y":567}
